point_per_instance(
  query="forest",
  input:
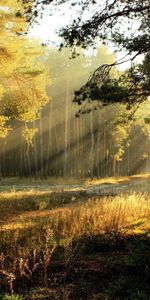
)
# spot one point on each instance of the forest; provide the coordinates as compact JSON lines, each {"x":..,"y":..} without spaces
{"x":74,"y":150}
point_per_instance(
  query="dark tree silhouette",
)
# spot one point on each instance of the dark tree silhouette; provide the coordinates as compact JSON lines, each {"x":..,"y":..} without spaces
{"x":109,"y":21}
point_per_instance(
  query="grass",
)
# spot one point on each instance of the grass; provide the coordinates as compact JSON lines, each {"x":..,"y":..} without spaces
{"x":16,"y":184}
{"x":10,"y":297}
{"x":62,"y":246}
{"x":71,"y":217}
{"x":114,"y":180}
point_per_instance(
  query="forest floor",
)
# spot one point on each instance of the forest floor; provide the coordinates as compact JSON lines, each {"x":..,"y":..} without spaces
{"x":106,"y":185}
{"x":75,"y":240}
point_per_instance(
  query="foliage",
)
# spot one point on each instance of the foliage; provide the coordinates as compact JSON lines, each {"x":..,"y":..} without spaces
{"x":3,"y":129}
{"x":28,"y":134}
{"x":24,"y":91}
{"x":10,"y":297}
{"x":23,"y":76}
{"x":104,"y":21}
{"x":118,"y":137}
{"x":131,"y":88}
{"x":107,"y":21}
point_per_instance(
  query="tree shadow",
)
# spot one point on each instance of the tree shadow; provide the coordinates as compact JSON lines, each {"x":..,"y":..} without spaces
{"x":113,"y":266}
{"x":103,"y":266}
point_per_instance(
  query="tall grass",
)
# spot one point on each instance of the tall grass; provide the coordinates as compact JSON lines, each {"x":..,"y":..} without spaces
{"x":100,"y":215}
{"x":24,"y":250}
{"x":93,"y":216}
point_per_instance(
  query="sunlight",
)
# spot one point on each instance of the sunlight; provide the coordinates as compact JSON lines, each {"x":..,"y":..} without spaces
{"x":74,"y":149}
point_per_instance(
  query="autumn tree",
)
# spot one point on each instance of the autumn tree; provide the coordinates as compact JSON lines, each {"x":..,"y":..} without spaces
{"x":23,"y":79}
{"x":23,"y":76}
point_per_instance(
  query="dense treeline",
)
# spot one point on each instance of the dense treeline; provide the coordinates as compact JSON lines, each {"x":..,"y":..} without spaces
{"x":65,"y":143}
{"x":94,"y":147}
{"x":42,"y":132}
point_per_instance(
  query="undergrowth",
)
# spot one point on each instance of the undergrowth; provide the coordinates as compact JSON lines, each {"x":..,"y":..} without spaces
{"x":51,"y":243}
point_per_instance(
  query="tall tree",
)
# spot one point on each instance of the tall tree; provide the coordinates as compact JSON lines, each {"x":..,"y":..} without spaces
{"x":126,"y":24}
{"x":23,"y":76}
{"x":22,"y":85}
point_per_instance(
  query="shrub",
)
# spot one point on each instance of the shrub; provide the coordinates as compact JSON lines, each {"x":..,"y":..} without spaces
{"x":10,"y":297}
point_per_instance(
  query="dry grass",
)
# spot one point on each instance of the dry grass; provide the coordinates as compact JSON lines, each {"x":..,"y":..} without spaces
{"x":34,"y":234}
{"x":130,"y":213}
{"x":115,"y":180}
{"x":121,"y":213}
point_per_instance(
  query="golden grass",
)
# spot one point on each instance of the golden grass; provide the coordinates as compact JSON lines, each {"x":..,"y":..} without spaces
{"x":50,"y":181}
{"x":121,"y":213}
{"x":8,"y":196}
{"x":30,"y":237}
{"x":126,"y":213}
{"x":115,"y":180}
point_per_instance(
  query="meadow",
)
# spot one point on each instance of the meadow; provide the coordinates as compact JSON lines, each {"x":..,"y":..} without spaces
{"x":73,"y":245}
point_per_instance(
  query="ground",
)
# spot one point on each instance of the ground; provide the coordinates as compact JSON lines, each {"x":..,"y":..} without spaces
{"x":75,"y":240}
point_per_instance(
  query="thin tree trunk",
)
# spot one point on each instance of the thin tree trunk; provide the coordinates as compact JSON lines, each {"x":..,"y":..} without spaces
{"x":41,"y":149}
{"x":66,"y":133}
{"x":49,"y":138}
{"x":28,"y":160}
{"x":92,"y":146}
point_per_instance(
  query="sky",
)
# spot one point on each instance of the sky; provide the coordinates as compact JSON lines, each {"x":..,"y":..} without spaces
{"x":47,"y":28}
{"x":54,"y":19}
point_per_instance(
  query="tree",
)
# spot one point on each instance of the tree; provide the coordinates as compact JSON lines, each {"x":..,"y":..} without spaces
{"x":23,"y":84}
{"x":117,"y":138}
{"x":23,"y":76}
{"x":108,"y":21}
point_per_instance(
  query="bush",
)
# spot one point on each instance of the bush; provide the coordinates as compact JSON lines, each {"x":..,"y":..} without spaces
{"x":10,"y":297}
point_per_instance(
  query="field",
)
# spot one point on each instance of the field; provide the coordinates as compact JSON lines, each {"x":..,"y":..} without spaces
{"x":75,"y":241}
